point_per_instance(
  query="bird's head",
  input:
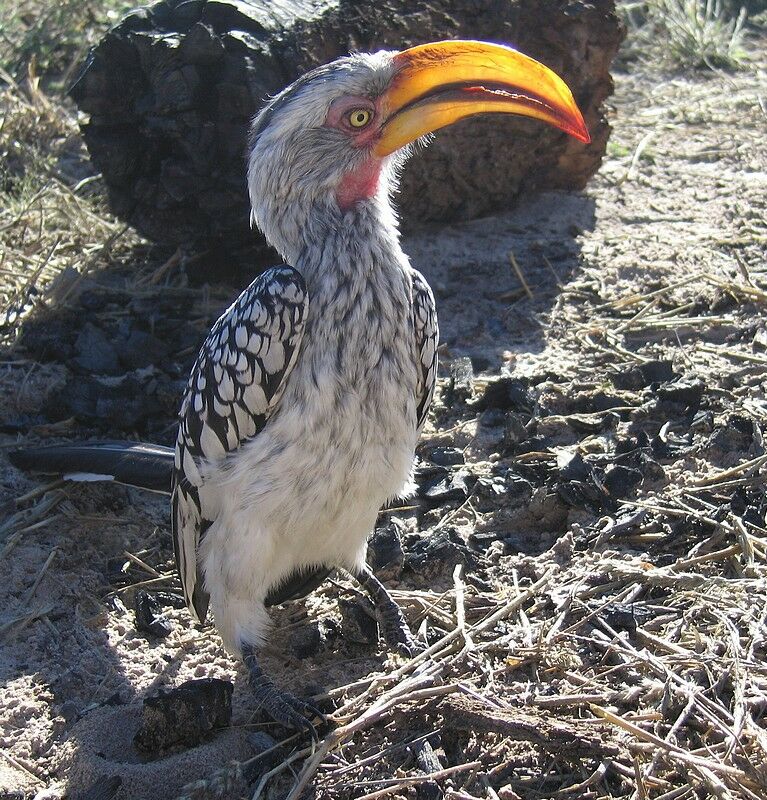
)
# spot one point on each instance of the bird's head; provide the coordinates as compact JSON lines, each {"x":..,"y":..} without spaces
{"x":332,"y":139}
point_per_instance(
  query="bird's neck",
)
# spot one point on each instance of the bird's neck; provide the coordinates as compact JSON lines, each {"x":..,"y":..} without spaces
{"x":331,"y":247}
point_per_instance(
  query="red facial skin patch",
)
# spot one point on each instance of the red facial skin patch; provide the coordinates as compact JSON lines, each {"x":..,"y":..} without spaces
{"x":362,"y":184}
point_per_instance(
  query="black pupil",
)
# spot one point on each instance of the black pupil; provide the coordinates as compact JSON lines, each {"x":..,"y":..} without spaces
{"x":360,"y":117}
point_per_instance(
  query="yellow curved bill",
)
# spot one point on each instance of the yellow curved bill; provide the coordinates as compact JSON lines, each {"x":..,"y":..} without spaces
{"x":439,"y":83}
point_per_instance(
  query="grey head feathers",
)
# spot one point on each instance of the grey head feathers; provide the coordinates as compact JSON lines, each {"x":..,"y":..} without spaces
{"x":296,"y":162}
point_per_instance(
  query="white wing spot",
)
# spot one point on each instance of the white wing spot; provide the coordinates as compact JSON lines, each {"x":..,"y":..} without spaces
{"x":226,"y":388}
{"x":274,"y":359}
{"x":190,"y":469}
{"x":210,"y":444}
{"x":255,"y":399}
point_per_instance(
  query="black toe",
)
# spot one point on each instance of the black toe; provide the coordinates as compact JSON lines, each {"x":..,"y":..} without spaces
{"x":283,"y":707}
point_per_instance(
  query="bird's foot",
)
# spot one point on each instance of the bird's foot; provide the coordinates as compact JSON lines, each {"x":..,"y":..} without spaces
{"x":283,"y":707}
{"x":396,"y":632}
{"x":391,"y":622}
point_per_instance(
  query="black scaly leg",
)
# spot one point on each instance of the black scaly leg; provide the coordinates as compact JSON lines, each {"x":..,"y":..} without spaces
{"x":281,"y":706}
{"x":394,"y":629}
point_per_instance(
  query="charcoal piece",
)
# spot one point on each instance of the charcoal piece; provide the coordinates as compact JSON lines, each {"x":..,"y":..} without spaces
{"x":70,"y":711}
{"x":140,"y":349}
{"x":357,"y":625}
{"x":313,"y":638}
{"x":514,"y":431}
{"x":482,"y":363}
{"x":535,"y":444}
{"x":620,"y":481}
{"x":492,"y":418}
{"x":687,"y":392}
{"x":508,"y":394}
{"x":150,"y":616}
{"x":490,"y":492}
{"x":638,"y":376}
{"x":185,"y":715}
{"x":95,"y":353}
{"x":574,"y":468}
{"x":660,"y":448}
{"x":590,"y":424}
{"x":639,"y":452}
{"x":632,"y":443}
{"x":668,"y":445}
{"x":461,"y":385}
{"x":622,"y":617}
{"x":734,"y":437}
{"x":518,"y":488}
{"x":453,"y":487}
{"x":385,"y":554}
{"x":446,"y":456}
{"x":481,"y":540}
{"x":306,"y":641}
{"x":624,"y":524}
{"x":650,"y":468}
{"x":657,"y":371}
{"x":581,"y":485}
{"x":490,"y":487}
{"x":601,"y":401}
{"x":179,"y":82}
{"x":581,"y":494}
{"x":751,"y":504}
{"x":428,"y":762}
{"x":48,"y":337}
{"x":120,"y":571}
{"x":170,"y":599}
{"x":703,"y":422}
{"x":722,"y":302}
{"x":427,"y":474}
{"x":438,"y":554}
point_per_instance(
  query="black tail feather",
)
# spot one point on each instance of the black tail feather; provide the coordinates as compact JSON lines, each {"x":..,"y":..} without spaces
{"x":146,"y":466}
{"x":298,"y":585}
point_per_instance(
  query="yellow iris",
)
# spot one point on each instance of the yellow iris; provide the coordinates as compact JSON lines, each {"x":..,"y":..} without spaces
{"x":359,"y":118}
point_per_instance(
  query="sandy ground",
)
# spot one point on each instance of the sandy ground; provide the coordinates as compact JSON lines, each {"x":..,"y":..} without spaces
{"x":678,"y":210}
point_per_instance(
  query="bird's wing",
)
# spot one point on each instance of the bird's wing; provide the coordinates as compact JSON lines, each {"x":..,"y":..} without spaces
{"x":427,"y":338}
{"x":235,"y":384}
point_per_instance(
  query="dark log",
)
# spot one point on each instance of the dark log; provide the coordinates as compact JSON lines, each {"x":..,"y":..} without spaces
{"x":170,"y":92}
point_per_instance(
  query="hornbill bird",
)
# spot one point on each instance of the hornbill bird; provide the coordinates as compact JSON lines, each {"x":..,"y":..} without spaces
{"x":303,"y":408}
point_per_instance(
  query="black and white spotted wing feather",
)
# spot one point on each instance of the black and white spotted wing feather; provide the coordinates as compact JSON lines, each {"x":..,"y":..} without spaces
{"x":427,"y":339}
{"x":235,"y":384}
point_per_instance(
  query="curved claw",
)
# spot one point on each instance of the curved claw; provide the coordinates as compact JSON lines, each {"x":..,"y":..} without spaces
{"x":410,"y":647}
{"x":290,"y":711}
{"x":283,"y":707}
{"x":391,"y":621}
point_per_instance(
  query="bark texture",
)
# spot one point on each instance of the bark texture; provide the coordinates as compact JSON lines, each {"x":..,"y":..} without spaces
{"x":169,"y":93}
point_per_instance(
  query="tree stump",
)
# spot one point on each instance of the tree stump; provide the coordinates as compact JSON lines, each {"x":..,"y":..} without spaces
{"x":171,"y":89}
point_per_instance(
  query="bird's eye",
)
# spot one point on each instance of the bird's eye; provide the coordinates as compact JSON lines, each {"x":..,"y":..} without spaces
{"x":359,"y":117}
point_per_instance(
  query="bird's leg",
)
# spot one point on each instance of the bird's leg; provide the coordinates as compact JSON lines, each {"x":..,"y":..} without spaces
{"x":281,"y":706}
{"x":394,"y":628}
